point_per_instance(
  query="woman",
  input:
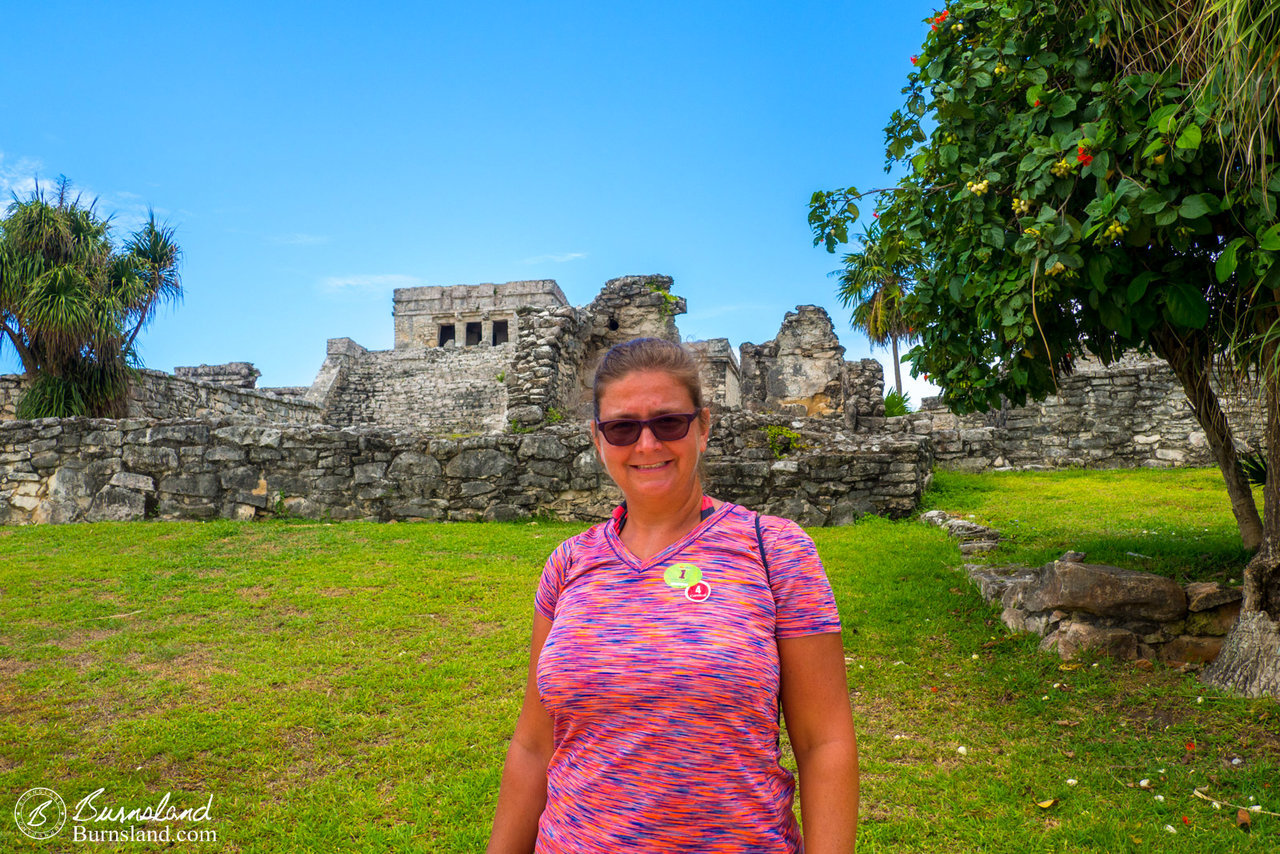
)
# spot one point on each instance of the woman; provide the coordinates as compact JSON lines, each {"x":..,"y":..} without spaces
{"x":665,"y":642}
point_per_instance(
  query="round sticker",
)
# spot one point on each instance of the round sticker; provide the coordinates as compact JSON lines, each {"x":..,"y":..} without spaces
{"x":699,"y":592}
{"x":682,"y":575}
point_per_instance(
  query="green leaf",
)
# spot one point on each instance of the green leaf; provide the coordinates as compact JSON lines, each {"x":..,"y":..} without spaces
{"x":994,"y":236}
{"x":981,"y":79}
{"x":1036,"y":74}
{"x":1138,"y":286}
{"x":1153,"y":146}
{"x":1270,"y":239}
{"x":1194,"y":207}
{"x":1152,"y":203}
{"x":1227,"y":261}
{"x":1064,"y":105}
{"x":1168,"y":216}
{"x":1190,"y":137}
{"x":1163,"y":118}
{"x":1186,"y":305}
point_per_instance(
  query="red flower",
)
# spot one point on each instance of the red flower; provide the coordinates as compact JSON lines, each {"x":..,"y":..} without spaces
{"x":942,"y":16}
{"x":1037,"y":102}
{"x":1191,"y":745}
{"x":934,"y":27}
{"x":1086,"y":159}
{"x":915,"y":60}
{"x":1186,"y":820}
{"x":876,"y":215}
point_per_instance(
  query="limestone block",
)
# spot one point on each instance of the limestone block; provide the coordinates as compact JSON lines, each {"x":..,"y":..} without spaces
{"x":505,"y":513}
{"x":198,"y":486}
{"x":224,"y":454}
{"x":1105,"y":591}
{"x":1073,"y":637}
{"x":367,"y":473}
{"x":146,"y":458}
{"x":1215,"y":622}
{"x":1191,"y":649}
{"x":116,"y":504}
{"x":186,"y":434}
{"x":541,"y":446}
{"x":129,"y":480}
{"x":1205,"y":595}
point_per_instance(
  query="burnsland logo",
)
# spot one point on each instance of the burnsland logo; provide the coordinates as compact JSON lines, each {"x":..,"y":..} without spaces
{"x":41,"y":813}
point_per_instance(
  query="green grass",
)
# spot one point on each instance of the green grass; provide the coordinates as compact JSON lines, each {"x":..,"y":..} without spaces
{"x":352,"y":687}
{"x":1174,"y":522}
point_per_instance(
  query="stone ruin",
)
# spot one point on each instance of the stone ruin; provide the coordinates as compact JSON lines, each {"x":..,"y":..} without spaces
{"x":479,"y":411}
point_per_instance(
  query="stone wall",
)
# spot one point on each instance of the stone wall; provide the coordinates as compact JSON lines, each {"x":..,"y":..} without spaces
{"x":440,"y":389}
{"x":237,"y":374}
{"x":77,"y":469}
{"x":11,"y":386}
{"x":1131,"y":414}
{"x":160,"y":395}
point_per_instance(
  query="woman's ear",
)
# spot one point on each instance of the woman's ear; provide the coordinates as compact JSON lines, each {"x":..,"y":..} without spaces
{"x":704,"y":428}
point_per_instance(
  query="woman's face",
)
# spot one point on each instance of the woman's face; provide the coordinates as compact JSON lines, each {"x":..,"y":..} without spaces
{"x":649,"y":468}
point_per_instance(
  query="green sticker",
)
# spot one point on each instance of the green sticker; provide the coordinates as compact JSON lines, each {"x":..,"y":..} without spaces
{"x":682,"y":575}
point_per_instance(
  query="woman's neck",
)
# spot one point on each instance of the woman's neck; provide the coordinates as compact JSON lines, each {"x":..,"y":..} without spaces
{"x":650,"y":528}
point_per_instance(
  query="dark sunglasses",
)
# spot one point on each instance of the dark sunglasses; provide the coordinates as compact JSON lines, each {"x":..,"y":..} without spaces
{"x":665,"y":428}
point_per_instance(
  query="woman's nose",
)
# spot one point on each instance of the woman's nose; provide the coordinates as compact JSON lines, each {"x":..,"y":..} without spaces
{"x":647,"y":441}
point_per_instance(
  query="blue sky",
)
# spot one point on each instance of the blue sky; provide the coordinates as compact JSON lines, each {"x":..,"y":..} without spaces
{"x":314,"y":156}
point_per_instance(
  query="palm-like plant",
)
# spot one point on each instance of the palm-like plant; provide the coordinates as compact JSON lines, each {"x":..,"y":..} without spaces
{"x":72,"y":306}
{"x":874,"y":282}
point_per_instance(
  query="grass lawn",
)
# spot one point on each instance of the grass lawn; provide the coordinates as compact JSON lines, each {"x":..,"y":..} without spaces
{"x":353,"y":686}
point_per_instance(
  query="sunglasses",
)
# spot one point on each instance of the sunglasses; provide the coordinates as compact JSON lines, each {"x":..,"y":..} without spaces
{"x":665,"y":428}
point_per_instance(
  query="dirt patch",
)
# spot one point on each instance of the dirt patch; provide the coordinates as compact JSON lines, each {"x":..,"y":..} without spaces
{"x":80,"y":638}
{"x":253,"y":594}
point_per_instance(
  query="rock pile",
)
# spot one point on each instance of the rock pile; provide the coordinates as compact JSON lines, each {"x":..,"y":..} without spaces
{"x":1126,"y":614}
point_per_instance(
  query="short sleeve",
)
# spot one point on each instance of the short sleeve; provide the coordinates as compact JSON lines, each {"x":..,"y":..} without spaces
{"x":801,"y":592}
{"x":553,"y":575}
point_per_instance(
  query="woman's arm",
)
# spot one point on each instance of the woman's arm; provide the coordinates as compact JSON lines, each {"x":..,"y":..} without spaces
{"x":523,"y":793}
{"x":815,"y":701}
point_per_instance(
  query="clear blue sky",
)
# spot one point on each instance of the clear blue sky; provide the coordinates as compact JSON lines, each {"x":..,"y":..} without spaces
{"x":314,"y":156}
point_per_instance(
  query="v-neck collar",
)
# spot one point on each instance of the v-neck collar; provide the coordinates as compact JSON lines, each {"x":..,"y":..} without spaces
{"x":624,"y":554}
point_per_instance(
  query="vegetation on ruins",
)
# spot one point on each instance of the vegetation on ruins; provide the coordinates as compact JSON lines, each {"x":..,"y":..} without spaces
{"x":1098,"y":175}
{"x":72,"y":304}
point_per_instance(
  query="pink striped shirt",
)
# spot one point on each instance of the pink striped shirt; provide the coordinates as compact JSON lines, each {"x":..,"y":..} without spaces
{"x":661,"y":679}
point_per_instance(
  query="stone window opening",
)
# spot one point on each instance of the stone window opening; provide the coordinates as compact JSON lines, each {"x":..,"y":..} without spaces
{"x":473,"y":333}
{"x":499,"y":332}
{"x":447,"y":333}
{"x":613,"y":324}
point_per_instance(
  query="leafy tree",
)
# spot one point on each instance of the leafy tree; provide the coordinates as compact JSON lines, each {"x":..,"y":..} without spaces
{"x":1080,"y":180}
{"x":874,"y":282}
{"x":71,"y":305}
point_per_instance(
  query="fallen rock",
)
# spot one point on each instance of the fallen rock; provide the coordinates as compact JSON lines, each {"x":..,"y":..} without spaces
{"x":1190,"y":650}
{"x":1106,"y":591}
{"x":1203,"y":595}
{"x":1071,"y":638}
{"x":1217,"y":622}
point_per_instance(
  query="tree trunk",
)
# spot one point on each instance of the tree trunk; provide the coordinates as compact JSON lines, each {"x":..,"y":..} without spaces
{"x":1249,"y":662}
{"x":897,"y":367}
{"x":1191,"y":368}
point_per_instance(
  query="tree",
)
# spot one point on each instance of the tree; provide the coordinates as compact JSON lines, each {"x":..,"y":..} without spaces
{"x":71,"y":305}
{"x":875,"y":280}
{"x":1078,"y":189}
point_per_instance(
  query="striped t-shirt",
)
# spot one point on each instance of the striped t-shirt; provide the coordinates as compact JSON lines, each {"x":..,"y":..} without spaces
{"x":661,"y":680}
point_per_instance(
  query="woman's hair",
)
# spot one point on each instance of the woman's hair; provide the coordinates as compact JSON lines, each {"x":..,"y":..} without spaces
{"x":647,"y":354}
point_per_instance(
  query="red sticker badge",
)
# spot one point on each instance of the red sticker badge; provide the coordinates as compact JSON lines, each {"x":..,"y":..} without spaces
{"x":699,"y":592}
